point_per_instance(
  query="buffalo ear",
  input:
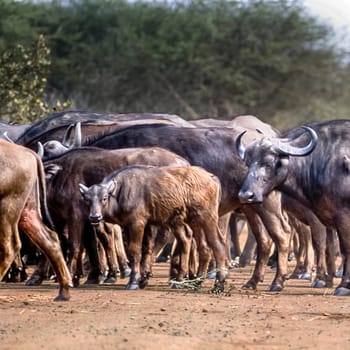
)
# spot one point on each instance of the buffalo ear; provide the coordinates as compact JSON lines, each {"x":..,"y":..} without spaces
{"x":51,"y":170}
{"x":283,"y":163}
{"x":111,"y":186}
{"x":346,"y":164}
{"x":83,"y":189}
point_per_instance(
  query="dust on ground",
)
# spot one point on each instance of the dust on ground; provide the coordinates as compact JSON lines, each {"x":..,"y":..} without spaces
{"x":158,"y":317}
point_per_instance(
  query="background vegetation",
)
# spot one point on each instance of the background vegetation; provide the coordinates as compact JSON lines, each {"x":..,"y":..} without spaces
{"x":195,"y":58}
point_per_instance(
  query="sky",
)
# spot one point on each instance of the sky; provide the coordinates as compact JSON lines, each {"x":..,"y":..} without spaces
{"x":335,"y":13}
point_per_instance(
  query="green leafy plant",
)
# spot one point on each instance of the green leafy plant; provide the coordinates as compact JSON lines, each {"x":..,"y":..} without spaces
{"x":23,"y":79}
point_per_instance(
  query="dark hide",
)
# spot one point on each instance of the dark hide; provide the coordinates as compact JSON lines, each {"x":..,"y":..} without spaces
{"x":320,"y":180}
{"x":89,"y":165}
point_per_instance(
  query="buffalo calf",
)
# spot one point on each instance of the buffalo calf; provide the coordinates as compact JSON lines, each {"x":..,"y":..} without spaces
{"x":182,"y":199}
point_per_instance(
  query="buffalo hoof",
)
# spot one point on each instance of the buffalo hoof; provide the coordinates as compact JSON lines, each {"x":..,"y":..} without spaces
{"x":63,"y":294}
{"x":318,"y":284}
{"x":249,"y":285}
{"x":110,"y":280}
{"x":341,"y":292}
{"x":306,"y":276}
{"x":143,"y":283}
{"x":234,"y":263}
{"x":62,"y":297}
{"x":178,"y":285}
{"x":273,"y":265}
{"x":218,"y":288}
{"x":13,"y":279}
{"x":76,"y":281}
{"x":92,"y":281}
{"x":132,"y":286}
{"x":275,"y":288}
{"x":125,"y":273}
{"x":34,"y":281}
{"x":211,"y":275}
{"x":175,"y":286}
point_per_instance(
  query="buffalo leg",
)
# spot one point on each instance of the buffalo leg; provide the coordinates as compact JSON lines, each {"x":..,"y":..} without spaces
{"x":48,"y":242}
{"x":331,"y":237}
{"x":123,"y":261}
{"x":105,"y":234}
{"x":90,"y":243}
{"x":148,"y":243}
{"x":135,"y":233}
{"x":10,"y":245}
{"x":342,"y":227}
{"x":264,"y":244}
{"x":183,"y":236}
{"x":319,"y":240}
{"x":217,"y":242}
{"x":203,"y":251}
{"x":279,"y":230}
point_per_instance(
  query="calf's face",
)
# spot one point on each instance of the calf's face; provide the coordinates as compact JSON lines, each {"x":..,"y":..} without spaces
{"x":96,"y":197}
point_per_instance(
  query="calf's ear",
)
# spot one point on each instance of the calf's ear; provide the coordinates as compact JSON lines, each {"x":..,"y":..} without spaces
{"x":111,"y":186}
{"x":83,"y":189}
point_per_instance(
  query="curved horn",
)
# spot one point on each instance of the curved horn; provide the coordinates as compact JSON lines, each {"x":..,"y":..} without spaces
{"x":239,"y":145}
{"x":77,"y":136}
{"x":83,"y":189}
{"x":66,"y":136}
{"x":287,"y":149}
{"x":40,"y":150}
{"x":6,"y":137}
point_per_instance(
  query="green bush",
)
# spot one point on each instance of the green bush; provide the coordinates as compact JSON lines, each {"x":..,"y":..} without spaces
{"x":23,"y":79}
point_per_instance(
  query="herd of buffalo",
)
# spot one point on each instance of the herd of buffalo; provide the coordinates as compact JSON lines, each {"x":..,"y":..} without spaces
{"x":118,"y":188}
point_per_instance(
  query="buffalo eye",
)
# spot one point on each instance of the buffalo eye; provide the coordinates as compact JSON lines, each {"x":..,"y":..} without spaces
{"x":279,"y":164}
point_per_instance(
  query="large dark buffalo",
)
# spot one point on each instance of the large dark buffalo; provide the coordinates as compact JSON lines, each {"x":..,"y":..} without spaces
{"x":89,"y":165}
{"x":214,"y":150}
{"x":22,"y":195}
{"x":61,"y":139}
{"x":169,"y":197}
{"x":311,"y":166}
{"x":53,"y":126}
{"x":252,"y":123}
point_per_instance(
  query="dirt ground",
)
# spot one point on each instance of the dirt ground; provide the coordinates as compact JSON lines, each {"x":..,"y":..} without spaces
{"x":158,"y":317}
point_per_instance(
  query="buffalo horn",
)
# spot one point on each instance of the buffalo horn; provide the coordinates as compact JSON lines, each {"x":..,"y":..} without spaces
{"x":83,"y":188}
{"x":6,"y":137}
{"x":77,"y":136}
{"x":239,"y":145}
{"x":287,"y":149}
{"x":67,"y":135}
{"x":40,"y":150}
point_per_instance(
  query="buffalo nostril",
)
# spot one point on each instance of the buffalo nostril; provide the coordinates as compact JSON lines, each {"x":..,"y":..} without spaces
{"x":95,"y":218}
{"x":246,"y":196}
